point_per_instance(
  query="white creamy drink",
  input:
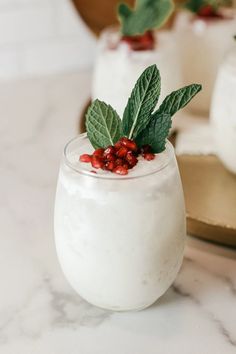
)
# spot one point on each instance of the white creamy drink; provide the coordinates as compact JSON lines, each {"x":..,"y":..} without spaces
{"x":203,"y":43}
{"x":118,"y":67}
{"x":223,"y":112}
{"x":119,"y":239}
{"x":119,"y":214}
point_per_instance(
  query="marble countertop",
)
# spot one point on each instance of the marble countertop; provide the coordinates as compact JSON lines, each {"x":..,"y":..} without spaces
{"x":39,"y":312}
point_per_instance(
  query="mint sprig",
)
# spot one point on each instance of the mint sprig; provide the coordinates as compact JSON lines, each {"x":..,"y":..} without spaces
{"x":140,"y":123}
{"x":142,"y":102}
{"x":146,"y":15}
{"x":196,"y":5}
{"x":103,"y":125}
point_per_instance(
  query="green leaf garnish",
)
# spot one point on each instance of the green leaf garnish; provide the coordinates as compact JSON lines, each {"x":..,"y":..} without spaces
{"x":142,"y":102}
{"x":178,"y":99}
{"x":156,"y":133}
{"x":161,"y":119}
{"x":196,"y":5}
{"x":146,"y":15}
{"x":103,"y":125}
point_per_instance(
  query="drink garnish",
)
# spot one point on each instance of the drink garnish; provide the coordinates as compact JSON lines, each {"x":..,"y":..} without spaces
{"x":142,"y":132}
{"x":206,"y":8}
{"x":138,"y":23}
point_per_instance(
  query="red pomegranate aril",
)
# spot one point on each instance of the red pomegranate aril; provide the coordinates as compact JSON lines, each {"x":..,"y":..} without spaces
{"x":109,"y":150}
{"x":122,"y":152}
{"x":97,"y":162}
{"x":120,"y":170}
{"x":118,"y":145}
{"x":147,"y":41}
{"x":118,"y":158}
{"x":127,"y":166}
{"x":131,"y":159}
{"x":133,"y":162}
{"x":110,"y":165}
{"x":98,"y":152}
{"x":140,"y":42}
{"x":206,"y":11}
{"x":130,"y":144}
{"x":149,"y":156}
{"x":85,"y":158}
{"x":145,"y":149}
{"x":110,"y":157}
{"x":124,"y":140}
{"x":119,"y":162}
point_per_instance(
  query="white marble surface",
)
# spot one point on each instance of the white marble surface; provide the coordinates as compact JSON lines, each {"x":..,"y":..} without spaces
{"x":39,"y":312}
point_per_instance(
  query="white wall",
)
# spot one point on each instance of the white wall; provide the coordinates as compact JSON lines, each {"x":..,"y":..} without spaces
{"x":39,"y":37}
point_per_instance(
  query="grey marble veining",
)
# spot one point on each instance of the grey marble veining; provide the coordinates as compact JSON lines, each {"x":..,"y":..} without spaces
{"x":39,"y":312}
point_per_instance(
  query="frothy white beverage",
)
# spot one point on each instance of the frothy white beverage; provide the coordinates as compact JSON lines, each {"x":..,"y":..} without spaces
{"x":119,"y":239}
{"x":203,"y":44}
{"x":223,"y":112}
{"x":117,"y":69}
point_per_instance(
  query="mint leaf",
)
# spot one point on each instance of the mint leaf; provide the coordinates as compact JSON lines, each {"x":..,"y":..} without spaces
{"x":142,"y":101}
{"x":195,"y":5}
{"x":156,"y":133}
{"x":103,"y":125}
{"x":178,"y":99}
{"x":146,"y":15}
{"x":124,"y":11}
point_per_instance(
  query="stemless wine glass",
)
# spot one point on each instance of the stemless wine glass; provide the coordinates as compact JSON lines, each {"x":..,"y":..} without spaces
{"x":119,"y":239}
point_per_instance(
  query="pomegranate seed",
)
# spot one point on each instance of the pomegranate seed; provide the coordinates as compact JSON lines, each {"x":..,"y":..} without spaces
{"x":206,"y":11}
{"x":146,"y":41}
{"x":109,"y":150}
{"x":122,"y":152}
{"x":125,"y":165}
{"x":130,"y":144}
{"x":85,"y":158}
{"x":119,"y":162}
{"x":110,"y":165}
{"x":146,"y":149}
{"x":149,"y":156}
{"x":98,"y":152}
{"x":97,"y":162}
{"x":118,"y":158}
{"x":118,"y":145}
{"x":140,"y":42}
{"x":120,"y":170}
{"x":131,"y":159}
{"x":110,"y":157}
{"x":124,"y":140}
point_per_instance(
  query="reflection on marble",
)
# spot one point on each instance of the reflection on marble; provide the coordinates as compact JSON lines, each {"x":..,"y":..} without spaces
{"x":39,"y":312}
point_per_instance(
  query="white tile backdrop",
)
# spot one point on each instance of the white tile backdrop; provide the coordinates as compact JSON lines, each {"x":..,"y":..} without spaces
{"x":40,"y":37}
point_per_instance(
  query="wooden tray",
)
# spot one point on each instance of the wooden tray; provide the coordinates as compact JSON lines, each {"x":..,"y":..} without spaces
{"x":210,"y":196}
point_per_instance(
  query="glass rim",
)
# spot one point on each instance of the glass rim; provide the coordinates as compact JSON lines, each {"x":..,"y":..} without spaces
{"x":81,"y":171}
